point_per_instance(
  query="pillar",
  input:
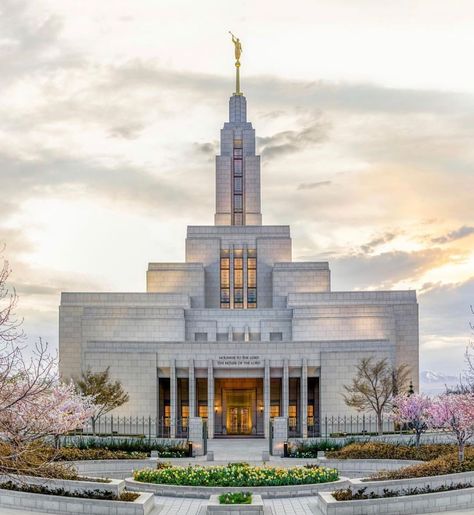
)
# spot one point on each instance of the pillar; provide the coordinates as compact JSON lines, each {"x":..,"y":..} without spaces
{"x":266,"y":399}
{"x":304,"y":399}
{"x":210,"y":400}
{"x":173,"y":399}
{"x":192,"y":390}
{"x":285,"y":389}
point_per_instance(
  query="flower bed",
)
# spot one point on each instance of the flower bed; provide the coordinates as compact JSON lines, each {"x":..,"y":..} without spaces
{"x":235,"y":498}
{"x":82,"y":494}
{"x":347,"y":494}
{"x":73,"y":454}
{"x":445,"y":464}
{"x":384,"y":450}
{"x":236,"y":475}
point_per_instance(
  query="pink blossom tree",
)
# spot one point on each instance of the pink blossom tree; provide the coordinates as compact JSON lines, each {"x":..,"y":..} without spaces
{"x":455,"y":412}
{"x":413,"y":410}
{"x":56,"y":412}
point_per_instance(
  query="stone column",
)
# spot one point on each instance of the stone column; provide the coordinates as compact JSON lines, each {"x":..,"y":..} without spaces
{"x":173,"y":399}
{"x":266,"y":399}
{"x":304,"y":399}
{"x":285,"y":389}
{"x":192,"y":390}
{"x":210,"y":400}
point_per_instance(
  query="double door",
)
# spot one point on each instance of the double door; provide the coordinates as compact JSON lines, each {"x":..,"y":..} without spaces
{"x":239,"y":420}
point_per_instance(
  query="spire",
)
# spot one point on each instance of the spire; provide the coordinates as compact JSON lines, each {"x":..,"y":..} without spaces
{"x":238,"y":53}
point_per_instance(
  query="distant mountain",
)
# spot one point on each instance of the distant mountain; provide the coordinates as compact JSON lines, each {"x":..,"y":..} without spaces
{"x":434,"y":383}
{"x":431,"y":377}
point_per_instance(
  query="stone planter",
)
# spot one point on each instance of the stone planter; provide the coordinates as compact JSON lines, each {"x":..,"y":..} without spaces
{"x":215,"y":508}
{"x":203,"y":492}
{"x":325,"y":504}
{"x":115,"y":486}
{"x":57,"y":504}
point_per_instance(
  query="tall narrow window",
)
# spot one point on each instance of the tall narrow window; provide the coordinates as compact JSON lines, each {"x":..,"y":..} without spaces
{"x":225,"y":279}
{"x":237,"y":184}
{"x":238,"y":279}
{"x":251,"y":278}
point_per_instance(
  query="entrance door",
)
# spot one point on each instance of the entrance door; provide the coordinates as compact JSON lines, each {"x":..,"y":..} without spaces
{"x":239,"y":420}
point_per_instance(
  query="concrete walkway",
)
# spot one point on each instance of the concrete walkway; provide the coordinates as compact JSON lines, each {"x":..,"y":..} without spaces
{"x":182,"y":506}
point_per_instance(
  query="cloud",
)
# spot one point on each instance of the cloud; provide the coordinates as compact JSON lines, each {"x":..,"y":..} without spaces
{"x":289,"y":142}
{"x":313,"y":185}
{"x":457,"y":234}
{"x":379,"y":240}
{"x":383,"y":271}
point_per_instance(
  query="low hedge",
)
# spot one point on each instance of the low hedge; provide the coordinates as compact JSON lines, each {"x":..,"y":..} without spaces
{"x":236,"y":498}
{"x":235,"y":474}
{"x":172,"y":449}
{"x":311,"y":449}
{"x":73,"y":454}
{"x":349,"y":495}
{"x":445,"y":464}
{"x":390,"y":451}
{"x":103,"y":495}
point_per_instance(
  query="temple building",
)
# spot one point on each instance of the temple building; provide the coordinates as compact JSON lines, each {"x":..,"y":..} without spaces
{"x":238,"y":333}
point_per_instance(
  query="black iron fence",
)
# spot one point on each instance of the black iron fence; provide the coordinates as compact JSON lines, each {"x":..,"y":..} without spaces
{"x":144,"y":427}
{"x":346,"y":425}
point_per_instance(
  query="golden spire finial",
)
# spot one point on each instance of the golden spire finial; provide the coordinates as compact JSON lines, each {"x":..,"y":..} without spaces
{"x":238,"y":53}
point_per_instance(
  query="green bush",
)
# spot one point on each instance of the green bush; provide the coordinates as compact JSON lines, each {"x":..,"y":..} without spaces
{"x":73,"y":454}
{"x":130,"y":445}
{"x":240,"y":475}
{"x":236,"y":498}
{"x":391,"y":451}
{"x":311,"y":449}
{"x":83,"y":494}
{"x":445,"y":464}
{"x":348,"y":495}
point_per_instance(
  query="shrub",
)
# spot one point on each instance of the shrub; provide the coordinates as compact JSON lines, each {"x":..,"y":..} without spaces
{"x":310,"y":450}
{"x":236,"y":498}
{"x":38,"y":461}
{"x":83,"y":494}
{"x":142,"y":445}
{"x":348,"y":495}
{"x":73,"y":454}
{"x":445,"y":464}
{"x":236,"y":475}
{"x":385,"y":450}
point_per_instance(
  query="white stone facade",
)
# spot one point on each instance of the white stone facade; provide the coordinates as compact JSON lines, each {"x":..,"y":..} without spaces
{"x":238,"y":333}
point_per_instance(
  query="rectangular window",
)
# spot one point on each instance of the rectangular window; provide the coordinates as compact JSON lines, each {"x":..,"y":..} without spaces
{"x":200,"y":337}
{"x":276,"y":337}
{"x":237,"y":143}
{"x":274,"y":411}
{"x":202,"y":411}
{"x":238,"y":278}
{"x":238,"y":219}
{"x":252,"y":263}
{"x":225,"y":295}
{"x":238,"y":167}
{"x":238,"y":295}
{"x":252,"y":294}
{"x":238,"y":184}
{"x":225,"y":263}
{"x":238,"y":202}
{"x":237,"y":152}
{"x":225,"y":278}
{"x":238,"y":263}
{"x":252,"y":278}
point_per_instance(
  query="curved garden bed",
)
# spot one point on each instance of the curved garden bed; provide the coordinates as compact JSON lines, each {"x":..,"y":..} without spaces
{"x":203,"y":492}
{"x":326,"y":504}
{"x":144,"y":504}
{"x":199,"y":481}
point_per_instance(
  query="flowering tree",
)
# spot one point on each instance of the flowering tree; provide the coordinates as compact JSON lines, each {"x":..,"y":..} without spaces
{"x":413,"y":410}
{"x":455,"y":412}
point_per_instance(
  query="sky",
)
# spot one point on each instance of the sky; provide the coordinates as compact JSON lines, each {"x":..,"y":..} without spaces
{"x":364,"y":110}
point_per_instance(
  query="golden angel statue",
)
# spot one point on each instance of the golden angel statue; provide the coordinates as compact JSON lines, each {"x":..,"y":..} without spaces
{"x":237,"y":46}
